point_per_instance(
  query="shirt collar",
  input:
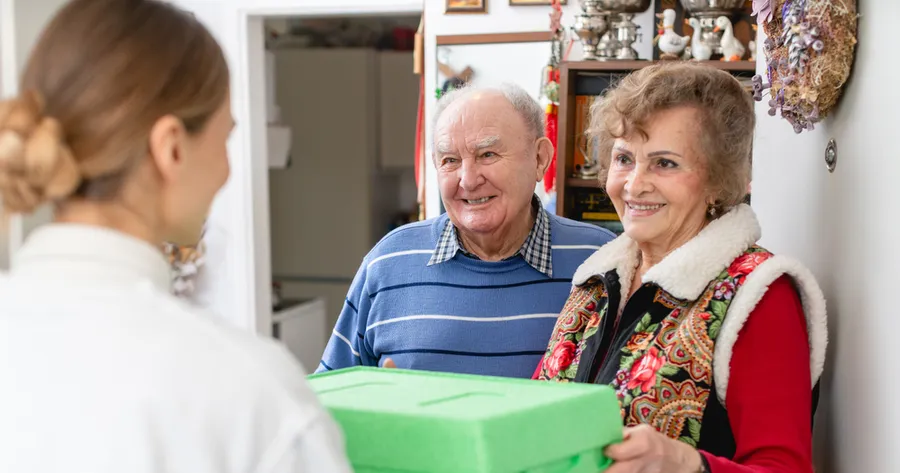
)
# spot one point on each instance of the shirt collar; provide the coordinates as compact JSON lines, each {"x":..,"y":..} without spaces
{"x":536,"y":251}
{"x":74,"y":250}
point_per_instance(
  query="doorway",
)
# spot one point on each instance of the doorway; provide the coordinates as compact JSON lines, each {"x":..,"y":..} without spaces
{"x":344,"y":90}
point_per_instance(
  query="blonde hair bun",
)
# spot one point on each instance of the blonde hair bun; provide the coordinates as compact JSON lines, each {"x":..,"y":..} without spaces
{"x":36,"y":166}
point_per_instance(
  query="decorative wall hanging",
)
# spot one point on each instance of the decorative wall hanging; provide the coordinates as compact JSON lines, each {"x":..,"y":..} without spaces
{"x":466,"y":6}
{"x":550,"y":91}
{"x":809,"y":51}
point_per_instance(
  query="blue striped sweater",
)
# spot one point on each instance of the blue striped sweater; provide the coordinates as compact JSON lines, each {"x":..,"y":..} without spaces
{"x":463,"y":315}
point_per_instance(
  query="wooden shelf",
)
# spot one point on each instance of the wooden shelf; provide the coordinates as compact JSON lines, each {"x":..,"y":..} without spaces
{"x":627,"y":66}
{"x":494,"y":38}
{"x":600,"y":66}
{"x":579,"y":182}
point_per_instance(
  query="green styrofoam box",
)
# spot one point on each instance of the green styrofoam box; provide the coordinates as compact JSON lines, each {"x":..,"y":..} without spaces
{"x":404,"y":421}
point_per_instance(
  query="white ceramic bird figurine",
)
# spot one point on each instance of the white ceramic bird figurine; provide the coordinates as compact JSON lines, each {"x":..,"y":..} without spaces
{"x":732,"y":48}
{"x":699,"y":50}
{"x":670,"y":42}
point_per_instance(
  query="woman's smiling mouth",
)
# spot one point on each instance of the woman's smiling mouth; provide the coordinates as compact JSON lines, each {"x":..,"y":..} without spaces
{"x":643,"y":209}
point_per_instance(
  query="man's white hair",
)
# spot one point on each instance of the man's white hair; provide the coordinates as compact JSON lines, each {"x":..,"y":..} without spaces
{"x":522,"y":102}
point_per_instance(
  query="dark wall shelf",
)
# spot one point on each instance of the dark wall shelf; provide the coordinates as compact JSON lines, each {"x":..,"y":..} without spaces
{"x":585,"y":183}
{"x":628,"y":66}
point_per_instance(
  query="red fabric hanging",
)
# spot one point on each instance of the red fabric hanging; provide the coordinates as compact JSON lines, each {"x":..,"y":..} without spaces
{"x":419,"y":154}
{"x":552,"y":127}
{"x":552,"y":77}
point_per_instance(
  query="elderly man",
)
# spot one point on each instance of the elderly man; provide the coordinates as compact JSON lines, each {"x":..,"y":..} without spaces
{"x":478,"y":289}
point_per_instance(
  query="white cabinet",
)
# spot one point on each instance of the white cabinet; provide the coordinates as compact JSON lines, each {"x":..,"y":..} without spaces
{"x":301,"y":326}
{"x":398,"y":92}
{"x":336,"y":199}
{"x":321,"y":216}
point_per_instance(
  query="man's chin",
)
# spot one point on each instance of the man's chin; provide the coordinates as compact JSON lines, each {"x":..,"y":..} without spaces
{"x":476,"y":223}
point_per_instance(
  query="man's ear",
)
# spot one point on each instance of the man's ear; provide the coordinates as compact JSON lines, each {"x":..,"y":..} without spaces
{"x":544,"y":155}
{"x":167,"y":145}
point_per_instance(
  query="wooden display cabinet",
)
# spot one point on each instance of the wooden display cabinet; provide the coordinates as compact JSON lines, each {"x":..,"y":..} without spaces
{"x":582,"y":199}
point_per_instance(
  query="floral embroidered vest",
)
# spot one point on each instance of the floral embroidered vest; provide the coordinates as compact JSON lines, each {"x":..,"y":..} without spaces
{"x":657,"y":354}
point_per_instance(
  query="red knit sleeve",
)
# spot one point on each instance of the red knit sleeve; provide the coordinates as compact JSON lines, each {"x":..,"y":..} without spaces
{"x":769,"y":399}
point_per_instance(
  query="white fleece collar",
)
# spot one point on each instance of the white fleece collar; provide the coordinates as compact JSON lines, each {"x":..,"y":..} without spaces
{"x":686,"y":272}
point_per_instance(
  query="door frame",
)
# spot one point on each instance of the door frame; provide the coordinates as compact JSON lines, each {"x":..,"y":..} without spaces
{"x":9,"y":87}
{"x":240,"y":285}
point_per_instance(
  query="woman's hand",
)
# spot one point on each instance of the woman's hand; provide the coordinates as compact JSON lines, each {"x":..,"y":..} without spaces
{"x":644,"y":450}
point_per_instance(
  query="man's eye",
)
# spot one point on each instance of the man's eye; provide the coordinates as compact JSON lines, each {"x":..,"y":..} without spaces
{"x":447,"y":161}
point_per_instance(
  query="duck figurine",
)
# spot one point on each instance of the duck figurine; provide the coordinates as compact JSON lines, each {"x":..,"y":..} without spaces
{"x":732,"y":48}
{"x":670,"y":43}
{"x":699,"y":49}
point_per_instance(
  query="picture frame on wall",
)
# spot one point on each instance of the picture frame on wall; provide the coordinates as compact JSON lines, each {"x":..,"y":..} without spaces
{"x":535,"y":2}
{"x":466,"y":6}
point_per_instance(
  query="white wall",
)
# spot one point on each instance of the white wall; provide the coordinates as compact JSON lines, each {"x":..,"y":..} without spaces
{"x":501,"y":18}
{"x":7,"y":61}
{"x":31,"y":18}
{"x":22,"y":23}
{"x":844,"y":226}
{"x":518,"y":63}
{"x":4,"y":242}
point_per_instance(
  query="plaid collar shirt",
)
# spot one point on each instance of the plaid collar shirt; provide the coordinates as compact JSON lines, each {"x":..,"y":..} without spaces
{"x":536,"y":250}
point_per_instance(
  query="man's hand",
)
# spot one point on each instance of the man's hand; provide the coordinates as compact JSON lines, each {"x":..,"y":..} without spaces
{"x":388,"y":363}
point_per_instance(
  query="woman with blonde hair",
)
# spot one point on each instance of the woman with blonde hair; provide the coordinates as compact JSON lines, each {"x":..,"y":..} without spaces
{"x":713,"y":344}
{"x":122,"y":127}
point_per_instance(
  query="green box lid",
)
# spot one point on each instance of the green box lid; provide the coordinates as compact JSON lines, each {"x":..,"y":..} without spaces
{"x":405,"y":421}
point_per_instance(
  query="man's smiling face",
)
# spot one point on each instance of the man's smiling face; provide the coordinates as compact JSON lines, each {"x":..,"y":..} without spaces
{"x":487,"y":163}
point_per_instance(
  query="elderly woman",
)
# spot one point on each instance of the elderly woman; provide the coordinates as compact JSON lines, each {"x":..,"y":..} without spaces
{"x":713,"y":344}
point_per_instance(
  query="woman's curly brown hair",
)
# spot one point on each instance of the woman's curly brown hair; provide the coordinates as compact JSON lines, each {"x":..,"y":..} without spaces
{"x":726,"y":120}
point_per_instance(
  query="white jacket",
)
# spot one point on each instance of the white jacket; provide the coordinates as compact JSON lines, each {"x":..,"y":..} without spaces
{"x":103,"y":371}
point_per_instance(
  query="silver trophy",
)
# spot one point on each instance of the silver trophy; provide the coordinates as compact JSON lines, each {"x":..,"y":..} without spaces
{"x":706,"y":11}
{"x":608,"y":46}
{"x":613,"y":36}
{"x":627,"y":30}
{"x":590,"y":28}
{"x":626,"y":34}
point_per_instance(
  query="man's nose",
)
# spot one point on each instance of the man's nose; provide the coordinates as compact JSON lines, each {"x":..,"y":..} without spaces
{"x":470,"y":176}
